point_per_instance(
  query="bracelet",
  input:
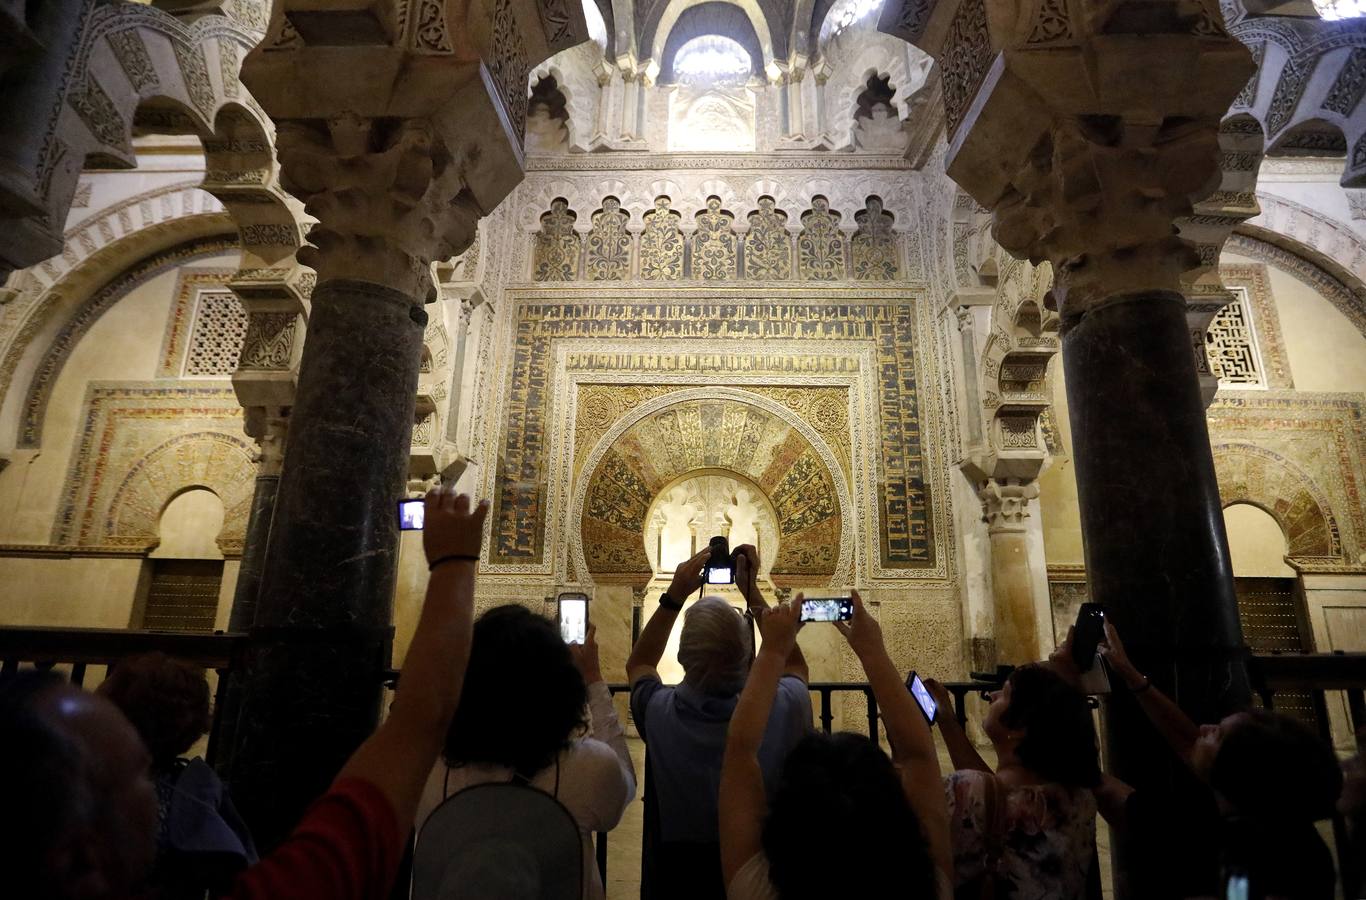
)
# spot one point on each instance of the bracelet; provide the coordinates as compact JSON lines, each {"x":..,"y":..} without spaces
{"x":1147,"y":684}
{"x":669,"y":603}
{"x":454,"y":557}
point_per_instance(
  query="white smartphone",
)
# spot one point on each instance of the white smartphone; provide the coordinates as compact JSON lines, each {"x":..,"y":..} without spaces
{"x":573,"y":618}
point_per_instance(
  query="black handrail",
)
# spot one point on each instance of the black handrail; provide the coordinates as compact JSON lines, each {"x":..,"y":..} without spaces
{"x":46,"y":647}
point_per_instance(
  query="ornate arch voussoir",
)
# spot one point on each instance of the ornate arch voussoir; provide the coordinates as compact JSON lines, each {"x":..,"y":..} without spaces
{"x":1251,"y":474}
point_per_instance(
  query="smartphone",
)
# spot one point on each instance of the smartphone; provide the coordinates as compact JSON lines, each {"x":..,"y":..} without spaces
{"x":573,"y":618}
{"x":923,"y":697}
{"x":1087,"y":635}
{"x":1237,"y":888}
{"x":831,"y":609}
{"x":411,"y":514}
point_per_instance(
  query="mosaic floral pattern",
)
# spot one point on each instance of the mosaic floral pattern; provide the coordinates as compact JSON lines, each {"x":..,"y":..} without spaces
{"x":713,"y":243}
{"x":820,"y":246}
{"x":608,"y":256}
{"x":661,"y":244}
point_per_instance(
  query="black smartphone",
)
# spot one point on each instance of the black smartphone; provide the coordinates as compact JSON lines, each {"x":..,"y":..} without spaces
{"x":1087,"y":635}
{"x":923,"y":698}
{"x":573,"y":618}
{"x":411,"y":514}
{"x":827,"y":609}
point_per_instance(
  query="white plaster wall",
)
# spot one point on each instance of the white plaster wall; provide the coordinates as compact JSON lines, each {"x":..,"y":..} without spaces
{"x":124,"y":344}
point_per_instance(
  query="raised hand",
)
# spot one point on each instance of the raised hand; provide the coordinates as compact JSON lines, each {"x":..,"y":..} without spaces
{"x":1061,"y":661}
{"x":779,"y":626}
{"x":586,"y":657}
{"x":747,"y":571}
{"x":941,"y":696}
{"x":452,"y":529}
{"x":1112,"y":649}
{"x":688,"y":576}
{"x":862,"y":631}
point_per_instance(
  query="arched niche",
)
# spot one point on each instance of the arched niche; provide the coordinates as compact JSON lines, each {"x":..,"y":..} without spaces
{"x":1253,"y":475}
{"x":190,"y":525}
{"x":696,"y":430}
{"x":211,"y":460}
{"x":688,"y":512}
{"x":1257,"y":546}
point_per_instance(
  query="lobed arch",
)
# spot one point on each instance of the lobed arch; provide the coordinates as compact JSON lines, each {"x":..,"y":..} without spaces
{"x":614,"y":492}
{"x":1306,"y":85}
{"x":1257,"y":476}
{"x":136,"y":69}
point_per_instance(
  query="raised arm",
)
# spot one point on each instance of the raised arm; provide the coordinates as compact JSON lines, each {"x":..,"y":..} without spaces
{"x":747,"y":580}
{"x":603,"y":722}
{"x":1171,"y":722}
{"x":907,"y":731}
{"x":743,"y":803}
{"x":961,"y":752}
{"x":398,"y":757}
{"x":654,"y":637}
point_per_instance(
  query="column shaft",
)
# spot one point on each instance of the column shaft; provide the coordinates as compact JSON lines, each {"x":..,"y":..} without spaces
{"x":1017,"y":630}
{"x":322,"y":629}
{"x":1156,"y":553}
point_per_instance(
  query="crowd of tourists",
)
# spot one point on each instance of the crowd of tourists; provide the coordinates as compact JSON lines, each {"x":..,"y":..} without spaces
{"x":504,"y":752}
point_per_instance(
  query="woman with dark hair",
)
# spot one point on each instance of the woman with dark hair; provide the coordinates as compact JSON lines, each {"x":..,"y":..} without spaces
{"x":1261,"y":781}
{"x":1029,"y":828}
{"x":521,"y":718}
{"x":201,"y":840}
{"x":844,"y":820}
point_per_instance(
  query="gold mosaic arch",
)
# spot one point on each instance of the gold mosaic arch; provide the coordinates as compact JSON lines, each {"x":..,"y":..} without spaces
{"x":721,"y":435}
{"x":1255,"y":475}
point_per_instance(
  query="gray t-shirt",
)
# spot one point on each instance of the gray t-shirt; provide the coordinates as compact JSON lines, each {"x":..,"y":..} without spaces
{"x":685,"y":732}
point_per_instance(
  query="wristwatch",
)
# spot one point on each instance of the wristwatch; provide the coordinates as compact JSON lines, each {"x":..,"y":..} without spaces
{"x":669,"y":603}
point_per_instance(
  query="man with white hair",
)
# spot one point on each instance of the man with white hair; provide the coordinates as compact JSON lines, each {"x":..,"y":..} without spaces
{"x":684,"y":725}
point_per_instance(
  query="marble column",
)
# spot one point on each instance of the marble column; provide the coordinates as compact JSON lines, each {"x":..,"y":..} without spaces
{"x":396,"y":139}
{"x":272,"y":442}
{"x":1016,"y":622}
{"x":1088,"y":151}
{"x":322,"y":629}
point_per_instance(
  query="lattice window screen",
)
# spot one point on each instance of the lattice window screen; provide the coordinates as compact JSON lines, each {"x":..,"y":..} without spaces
{"x":183,"y":595}
{"x":220,"y":326}
{"x":1231,"y":343}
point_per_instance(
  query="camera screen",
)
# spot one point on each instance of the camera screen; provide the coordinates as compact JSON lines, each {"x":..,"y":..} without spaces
{"x":720,"y":575}
{"x":574,"y":621}
{"x":923,"y":697}
{"x":411,"y":514}
{"x":838,"y":609}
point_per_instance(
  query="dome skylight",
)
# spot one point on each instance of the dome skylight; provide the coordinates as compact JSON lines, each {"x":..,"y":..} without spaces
{"x":1331,"y":10}
{"x":712,"y":58}
{"x":597,"y":27}
{"x":849,"y":12}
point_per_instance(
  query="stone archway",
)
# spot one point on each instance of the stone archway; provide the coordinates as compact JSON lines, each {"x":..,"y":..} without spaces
{"x":221,"y":463}
{"x":692,"y":431}
{"x":1251,"y":474}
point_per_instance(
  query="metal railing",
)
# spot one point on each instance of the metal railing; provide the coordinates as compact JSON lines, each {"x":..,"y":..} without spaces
{"x":78,"y":649}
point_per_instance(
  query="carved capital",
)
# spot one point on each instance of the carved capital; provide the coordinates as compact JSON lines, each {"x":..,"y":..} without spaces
{"x":1087,"y":129}
{"x":389,"y":198}
{"x":1005,"y":503}
{"x":1099,"y":202}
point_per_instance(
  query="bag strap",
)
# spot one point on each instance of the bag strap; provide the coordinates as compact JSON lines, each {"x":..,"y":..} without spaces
{"x":993,"y":834}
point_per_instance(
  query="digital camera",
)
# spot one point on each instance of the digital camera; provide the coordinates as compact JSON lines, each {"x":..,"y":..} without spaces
{"x":720,"y":567}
